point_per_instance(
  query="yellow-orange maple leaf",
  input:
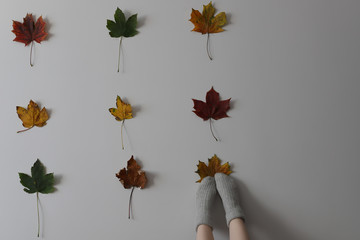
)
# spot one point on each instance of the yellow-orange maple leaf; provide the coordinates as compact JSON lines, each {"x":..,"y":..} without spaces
{"x":207,"y":22}
{"x":32,"y":116}
{"x":214,"y":166}
{"x":123,"y":110}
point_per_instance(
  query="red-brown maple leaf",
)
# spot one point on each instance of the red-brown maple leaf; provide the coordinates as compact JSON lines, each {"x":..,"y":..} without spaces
{"x":29,"y":31}
{"x":132,"y":177}
{"x":212,"y":108}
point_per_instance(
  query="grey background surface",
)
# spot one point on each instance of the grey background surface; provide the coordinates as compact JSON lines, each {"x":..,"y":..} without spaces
{"x":292,"y":69}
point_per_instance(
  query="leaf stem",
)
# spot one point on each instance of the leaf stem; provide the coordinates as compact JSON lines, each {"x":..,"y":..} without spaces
{"x":25,"y":130}
{"x":132,"y":190}
{"x":208,"y":47}
{"x":212,"y":130}
{"x":119,"y":54}
{"x":37,"y":207}
{"x":122,"y":141}
{"x":31,"y":50}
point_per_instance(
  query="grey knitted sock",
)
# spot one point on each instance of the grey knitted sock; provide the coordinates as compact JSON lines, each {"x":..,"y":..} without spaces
{"x":227,"y":190}
{"x":205,"y":197}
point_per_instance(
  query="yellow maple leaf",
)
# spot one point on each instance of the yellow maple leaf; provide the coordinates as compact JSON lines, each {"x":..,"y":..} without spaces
{"x":32,"y":116}
{"x":214,"y":166}
{"x":123,"y":110}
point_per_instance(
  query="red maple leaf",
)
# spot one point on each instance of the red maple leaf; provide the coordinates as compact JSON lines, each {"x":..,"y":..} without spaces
{"x":212,"y":108}
{"x":28,"y":31}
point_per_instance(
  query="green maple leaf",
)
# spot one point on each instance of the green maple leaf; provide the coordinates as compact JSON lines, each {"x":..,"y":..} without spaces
{"x":38,"y":182}
{"x":121,"y":27}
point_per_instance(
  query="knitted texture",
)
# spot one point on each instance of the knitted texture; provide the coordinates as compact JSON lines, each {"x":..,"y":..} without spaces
{"x":205,"y":197}
{"x":227,"y":190}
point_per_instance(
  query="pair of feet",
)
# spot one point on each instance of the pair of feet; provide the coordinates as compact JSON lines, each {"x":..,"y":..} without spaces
{"x":206,"y":195}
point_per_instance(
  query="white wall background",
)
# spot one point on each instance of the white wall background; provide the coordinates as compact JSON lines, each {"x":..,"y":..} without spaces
{"x":290,"y":67}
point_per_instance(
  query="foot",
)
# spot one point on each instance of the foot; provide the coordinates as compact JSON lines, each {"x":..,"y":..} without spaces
{"x":227,"y":190}
{"x":205,"y":197}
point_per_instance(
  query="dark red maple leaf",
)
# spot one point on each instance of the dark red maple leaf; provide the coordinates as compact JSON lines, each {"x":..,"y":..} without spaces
{"x":28,"y":31}
{"x":212,"y":108}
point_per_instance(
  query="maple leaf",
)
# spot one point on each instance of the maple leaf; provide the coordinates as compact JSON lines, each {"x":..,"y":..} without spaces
{"x":132,"y":177}
{"x":122,"y":112}
{"x":28,"y":31}
{"x":207,"y":22}
{"x":214,"y":166}
{"x":122,"y":28}
{"x":38,"y":182}
{"x":32,"y":116}
{"x":213,"y":108}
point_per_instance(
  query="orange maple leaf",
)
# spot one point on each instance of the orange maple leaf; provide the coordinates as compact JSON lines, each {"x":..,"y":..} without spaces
{"x":214,"y":166}
{"x":207,"y":22}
